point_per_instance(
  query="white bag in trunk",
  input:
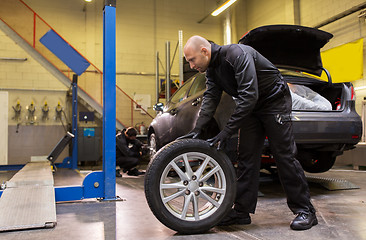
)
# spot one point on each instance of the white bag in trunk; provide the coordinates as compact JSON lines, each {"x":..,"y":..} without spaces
{"x":303,"y":98}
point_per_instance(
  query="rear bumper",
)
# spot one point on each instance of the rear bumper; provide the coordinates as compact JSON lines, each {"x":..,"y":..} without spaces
{"x":327,"y":127}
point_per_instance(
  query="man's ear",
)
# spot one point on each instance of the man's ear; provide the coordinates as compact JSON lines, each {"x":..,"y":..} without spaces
{"x":204,"y":51}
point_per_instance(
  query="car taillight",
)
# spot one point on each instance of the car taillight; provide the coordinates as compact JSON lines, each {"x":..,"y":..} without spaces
{"x":353,"y":93}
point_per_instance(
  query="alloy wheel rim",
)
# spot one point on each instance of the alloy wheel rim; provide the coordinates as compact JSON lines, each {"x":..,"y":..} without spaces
{"x":192,"y":186}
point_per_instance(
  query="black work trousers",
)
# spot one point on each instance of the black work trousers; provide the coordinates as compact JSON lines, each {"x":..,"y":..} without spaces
{"x":127,"y":163}
{"x":251,"y":139}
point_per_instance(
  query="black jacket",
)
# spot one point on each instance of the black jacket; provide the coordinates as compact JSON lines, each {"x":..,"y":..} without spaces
{"x":122,"y":148}
{"x":254,"y":82}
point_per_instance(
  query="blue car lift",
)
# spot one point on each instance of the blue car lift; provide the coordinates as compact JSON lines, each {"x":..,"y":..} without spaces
{"x":98,"y":184}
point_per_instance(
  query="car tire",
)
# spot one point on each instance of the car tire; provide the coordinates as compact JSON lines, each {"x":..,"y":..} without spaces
{"x":190,"y":186}
{"x":316,"y":162}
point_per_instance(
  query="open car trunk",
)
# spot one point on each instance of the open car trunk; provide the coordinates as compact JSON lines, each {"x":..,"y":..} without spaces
{"x":297,"y":49}
{"x":335,"y":94}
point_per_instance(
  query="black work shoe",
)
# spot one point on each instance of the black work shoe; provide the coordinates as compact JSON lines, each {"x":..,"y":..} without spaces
{"x":134,"y":172}
{"x":304,"y":221}
{"x":118,"y":174}
{"x":235,"y":217}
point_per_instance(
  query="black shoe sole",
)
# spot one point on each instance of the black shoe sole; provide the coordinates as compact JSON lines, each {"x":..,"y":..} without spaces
{"x":304,"y":227}
{"x":236,"y":221}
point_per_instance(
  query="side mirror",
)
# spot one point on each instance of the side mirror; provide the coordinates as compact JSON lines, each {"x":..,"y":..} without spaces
{"x":158,"y":107}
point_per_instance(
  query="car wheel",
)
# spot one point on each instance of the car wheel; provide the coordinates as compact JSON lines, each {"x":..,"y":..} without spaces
{"x":190,"y":186}
{"x":152,"y":145}
{"x":316,"y":162}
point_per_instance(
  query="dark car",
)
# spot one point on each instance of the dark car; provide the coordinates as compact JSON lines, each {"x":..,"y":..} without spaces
{"x":320,"y":135}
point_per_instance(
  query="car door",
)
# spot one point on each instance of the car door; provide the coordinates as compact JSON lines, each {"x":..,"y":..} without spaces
{"x":187,"y":113}
{"x":166,"y":129}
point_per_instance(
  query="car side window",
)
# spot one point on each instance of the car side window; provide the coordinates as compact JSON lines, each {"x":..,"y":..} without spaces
{"x":180,"y":93}
{"x":198,"y":85}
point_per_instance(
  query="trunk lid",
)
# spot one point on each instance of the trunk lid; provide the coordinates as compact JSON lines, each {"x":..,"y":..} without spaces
{"x":289,"y":46}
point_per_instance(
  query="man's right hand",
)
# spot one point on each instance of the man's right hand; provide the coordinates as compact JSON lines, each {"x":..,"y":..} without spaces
{"x":193,"y":134}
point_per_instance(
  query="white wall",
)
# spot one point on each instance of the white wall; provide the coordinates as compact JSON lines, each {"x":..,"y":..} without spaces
{"x":28,"y":74}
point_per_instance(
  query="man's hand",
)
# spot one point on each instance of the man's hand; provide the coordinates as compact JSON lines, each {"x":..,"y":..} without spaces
{"x":193,"y":134}
{"x":220,"y":139}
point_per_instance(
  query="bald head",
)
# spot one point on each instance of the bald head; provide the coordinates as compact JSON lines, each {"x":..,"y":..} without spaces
{"x":197,"y":52}
{"x":196,"y":42}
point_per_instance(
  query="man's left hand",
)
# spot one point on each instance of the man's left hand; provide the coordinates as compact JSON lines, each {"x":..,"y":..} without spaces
{"x":220,"y":139}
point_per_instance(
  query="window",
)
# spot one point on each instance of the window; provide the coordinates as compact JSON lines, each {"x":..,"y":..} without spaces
{"x":198,"y":85}
{"x":180,"y":93}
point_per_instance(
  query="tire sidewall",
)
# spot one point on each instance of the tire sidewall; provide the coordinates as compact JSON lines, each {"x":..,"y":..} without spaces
{"x":152,"y":185}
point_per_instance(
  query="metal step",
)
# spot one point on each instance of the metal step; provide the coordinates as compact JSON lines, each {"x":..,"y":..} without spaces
{"x":29,"y":199}
{"x":332,"y":183}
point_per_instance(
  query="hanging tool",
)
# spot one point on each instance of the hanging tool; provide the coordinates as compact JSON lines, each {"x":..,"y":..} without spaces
{"x":31,"y":110}
{"x":45,"y":110}
{"x":17,"y":110}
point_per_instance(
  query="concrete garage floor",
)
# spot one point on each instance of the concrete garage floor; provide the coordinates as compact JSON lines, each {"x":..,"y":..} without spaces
{"x":341,"y":214}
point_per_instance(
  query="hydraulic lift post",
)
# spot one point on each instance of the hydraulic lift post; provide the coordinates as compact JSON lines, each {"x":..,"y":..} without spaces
{"x":102,"y":184}
{"x":109,"y":99}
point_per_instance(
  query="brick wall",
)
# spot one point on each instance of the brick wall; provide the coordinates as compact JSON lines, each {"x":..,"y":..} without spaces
{"x":27,"y":74}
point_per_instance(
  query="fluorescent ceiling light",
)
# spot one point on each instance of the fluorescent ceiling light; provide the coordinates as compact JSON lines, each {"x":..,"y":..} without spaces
{"x":360,"y":88}
{"x":87,"y":0}
{"x":222,"y":7}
